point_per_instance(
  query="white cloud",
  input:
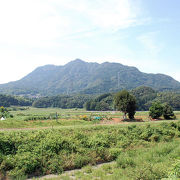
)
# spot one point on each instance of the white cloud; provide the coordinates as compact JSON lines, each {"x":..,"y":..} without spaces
{"x":106,"y":14}
{"x":39,"y":22}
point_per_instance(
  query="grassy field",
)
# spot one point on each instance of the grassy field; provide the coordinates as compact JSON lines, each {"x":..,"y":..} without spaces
{"x":36,"y":118}
{"x":51,"y":151}
{"x":32,"y":143}
{"x":153,"y":161}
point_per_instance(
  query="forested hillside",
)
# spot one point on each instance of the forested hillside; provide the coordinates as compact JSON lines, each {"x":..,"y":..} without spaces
{"x":62,"y":101}
{"x":104,"y":102}
{"x":86,"y":78}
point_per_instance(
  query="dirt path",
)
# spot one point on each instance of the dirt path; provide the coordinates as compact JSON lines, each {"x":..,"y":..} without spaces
{"x":69,"y":173}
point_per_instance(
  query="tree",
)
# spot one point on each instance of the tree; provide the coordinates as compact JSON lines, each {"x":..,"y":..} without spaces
{"x":102,"y":106}
{"x":168,"y":112}
{"x":87,"y":105}
{"x":156,"y":110}
{"x":126,"y":103}
{"x":4,"y":113}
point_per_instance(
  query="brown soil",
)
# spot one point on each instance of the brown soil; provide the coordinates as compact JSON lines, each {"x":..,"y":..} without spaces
{"x":119,"y":120}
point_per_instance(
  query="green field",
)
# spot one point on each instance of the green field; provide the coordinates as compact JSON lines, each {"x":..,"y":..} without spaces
{"x":66,"y":117}
{"x":150,"y":161}
{"x":42,"y":146}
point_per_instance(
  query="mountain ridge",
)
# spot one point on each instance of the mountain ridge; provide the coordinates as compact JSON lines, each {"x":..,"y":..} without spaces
{"x":79,"y":76}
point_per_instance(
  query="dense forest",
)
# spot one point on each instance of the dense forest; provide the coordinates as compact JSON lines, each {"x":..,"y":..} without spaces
{"x":145,"y":96}
{"x":62,"y":101}
{"x":86,"y":78}
{"x":8,"y":100}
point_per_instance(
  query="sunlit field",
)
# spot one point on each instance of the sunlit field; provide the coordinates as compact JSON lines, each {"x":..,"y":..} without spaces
{"x":55,"y":117}
{"x":38,"y":142}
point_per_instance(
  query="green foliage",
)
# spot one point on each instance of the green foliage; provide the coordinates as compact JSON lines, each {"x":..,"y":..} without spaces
{"x":156,"y":110}
{"x":55,"y":150}
{"x":35,"y":118}
{"x":125,"y":160}
{"x":101,"y":103}
{"x":148,"y":163}
{"x":145,"y":96}
{"x":126,"y":103}
{"x":168,"y":112}
{"x":8,"y":100}
{"x":141,"y":162}
{"x":62,"y":101}
{"x":5,"y":113}
{"x":86,"y":78}
{"x":175,"y":172}
{"x":171,"y":98}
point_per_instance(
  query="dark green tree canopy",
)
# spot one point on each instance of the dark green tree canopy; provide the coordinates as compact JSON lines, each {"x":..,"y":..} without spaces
{"x":125,"y":102}
{"x":168,"y":112}
{"x":103,"y":102}
{"x":156,"y":110}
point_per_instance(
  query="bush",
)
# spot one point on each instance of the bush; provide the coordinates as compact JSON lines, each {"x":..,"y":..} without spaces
{"x":53,"y":150}
{"x":168,"y":112}
{"x":115,"y":152}
{"x":125,"y":160}
{"x":5,"y":113}
{"x":156,"y":110}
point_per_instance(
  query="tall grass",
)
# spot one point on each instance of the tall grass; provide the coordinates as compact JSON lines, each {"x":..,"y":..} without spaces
{"x":157,"y":161}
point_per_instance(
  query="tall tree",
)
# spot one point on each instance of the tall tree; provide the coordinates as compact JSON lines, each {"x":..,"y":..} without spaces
{"x":126,"y":103}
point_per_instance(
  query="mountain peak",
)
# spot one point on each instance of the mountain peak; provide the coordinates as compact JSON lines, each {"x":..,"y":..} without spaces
{"x":79,"y":76}
{"x":77,"y":61}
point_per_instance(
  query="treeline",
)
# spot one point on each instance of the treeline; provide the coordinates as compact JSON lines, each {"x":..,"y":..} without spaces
{"x":62,"y":101}
{"x":9,"y":100}
{"x":145,"y":96}
{"x":103,"y":102}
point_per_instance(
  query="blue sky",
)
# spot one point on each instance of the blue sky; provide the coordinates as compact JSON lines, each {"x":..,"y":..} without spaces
{"x":141,"y":33}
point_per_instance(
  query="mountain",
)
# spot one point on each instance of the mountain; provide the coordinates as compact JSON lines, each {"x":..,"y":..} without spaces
{"x":88,"y":78}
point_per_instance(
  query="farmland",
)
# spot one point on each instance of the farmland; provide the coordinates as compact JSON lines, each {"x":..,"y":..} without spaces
{"x":38,"y":142}
{"x":30,"y":117}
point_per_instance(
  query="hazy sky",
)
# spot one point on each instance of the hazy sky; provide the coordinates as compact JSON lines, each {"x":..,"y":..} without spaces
{"x":141,"y":33}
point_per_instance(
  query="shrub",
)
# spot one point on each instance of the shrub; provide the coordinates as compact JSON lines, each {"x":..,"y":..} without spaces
{"x":156,"y":110}
{"x":5,"y":113}
{"x":80,"y":161}
{"x":125,"y":161}
{"x":115,"y":152}
{"x":168,"y":112}
{"x":48,"y":151}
